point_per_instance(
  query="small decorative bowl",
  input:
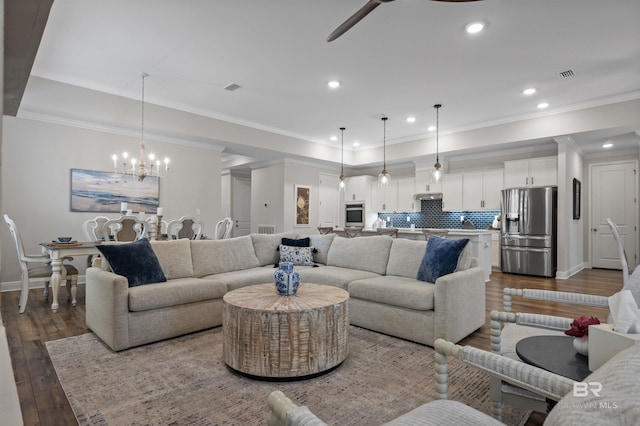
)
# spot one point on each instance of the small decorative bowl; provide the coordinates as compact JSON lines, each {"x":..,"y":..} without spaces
{"x":64,"y":239}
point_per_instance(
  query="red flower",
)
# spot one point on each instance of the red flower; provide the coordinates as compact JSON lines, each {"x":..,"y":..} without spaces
{"x":580,"y":326}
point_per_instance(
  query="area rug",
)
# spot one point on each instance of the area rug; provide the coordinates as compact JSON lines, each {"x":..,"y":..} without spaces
{"x":184,"y":381}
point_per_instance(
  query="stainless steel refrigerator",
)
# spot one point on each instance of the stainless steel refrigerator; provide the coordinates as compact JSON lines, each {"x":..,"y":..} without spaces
{"x":528,"y":231}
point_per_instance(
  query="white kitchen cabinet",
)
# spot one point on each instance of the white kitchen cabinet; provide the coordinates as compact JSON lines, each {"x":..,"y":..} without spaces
{"x":424,"y":185}
{"x":398,"y":197}
{"x":358,"y":188}
{"x":493,"y":185}
{"x":542,"y":171}
{"x":481,"y":190}
{"x":452,"y":193}
{"x":385,"y":199}
{"x":480,"y":247}
{"x":495,"y":250}
{"x":406,"y":191}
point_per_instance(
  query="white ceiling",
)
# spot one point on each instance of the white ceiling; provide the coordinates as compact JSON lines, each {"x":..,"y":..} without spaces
{"x":400,"y":60}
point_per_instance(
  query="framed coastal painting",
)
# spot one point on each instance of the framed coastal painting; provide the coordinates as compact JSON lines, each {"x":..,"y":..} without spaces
{"x":302,"y":205}
{"x":95,"y":191}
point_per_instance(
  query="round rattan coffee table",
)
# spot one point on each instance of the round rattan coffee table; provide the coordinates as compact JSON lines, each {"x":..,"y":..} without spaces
{"x":273,"y":336}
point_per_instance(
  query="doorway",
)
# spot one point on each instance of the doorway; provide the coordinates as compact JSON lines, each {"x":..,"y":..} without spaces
{"x":241,"y":206}
{"x":613,"y":195}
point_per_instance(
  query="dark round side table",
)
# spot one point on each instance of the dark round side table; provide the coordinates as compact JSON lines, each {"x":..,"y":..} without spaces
{"x":555,"y":354}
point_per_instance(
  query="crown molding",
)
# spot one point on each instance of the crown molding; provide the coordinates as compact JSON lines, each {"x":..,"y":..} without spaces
{"x":116,"y":130}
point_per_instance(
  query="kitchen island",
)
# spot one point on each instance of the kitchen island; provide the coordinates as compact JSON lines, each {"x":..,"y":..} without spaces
{"x":479,"y":239}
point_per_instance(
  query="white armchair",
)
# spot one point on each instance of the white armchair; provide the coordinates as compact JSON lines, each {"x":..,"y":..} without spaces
{"x":618,"y":377}
{"x":507,"y":328}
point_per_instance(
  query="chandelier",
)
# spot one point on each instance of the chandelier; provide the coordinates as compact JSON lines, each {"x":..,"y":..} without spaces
{"x":139,"y":168}
{"x":342,"y":184}
{"x":384,"y":178}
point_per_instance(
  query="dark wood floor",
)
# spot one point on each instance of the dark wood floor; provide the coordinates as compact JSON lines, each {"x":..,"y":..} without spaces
{"x":43,"y":401}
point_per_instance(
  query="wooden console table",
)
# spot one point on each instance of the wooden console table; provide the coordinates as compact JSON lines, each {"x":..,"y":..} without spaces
{"x":268,"y":335}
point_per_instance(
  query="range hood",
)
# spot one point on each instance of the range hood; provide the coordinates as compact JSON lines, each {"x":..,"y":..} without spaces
{"x":429,"y":196}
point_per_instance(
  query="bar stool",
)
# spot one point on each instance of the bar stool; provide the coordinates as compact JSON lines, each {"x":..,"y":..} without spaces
{"x":392,"y":232}
{"x":325,"y":230}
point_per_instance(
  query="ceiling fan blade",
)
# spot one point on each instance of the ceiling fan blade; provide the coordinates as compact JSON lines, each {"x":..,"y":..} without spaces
{"x":355,"y":18}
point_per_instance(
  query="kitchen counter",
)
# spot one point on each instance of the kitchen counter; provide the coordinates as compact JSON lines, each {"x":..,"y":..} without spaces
{"x":408,"y":232}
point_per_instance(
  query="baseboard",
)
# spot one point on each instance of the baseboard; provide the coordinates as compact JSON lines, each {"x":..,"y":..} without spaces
{"x":563,"y":275}
{"x":15,"y":285}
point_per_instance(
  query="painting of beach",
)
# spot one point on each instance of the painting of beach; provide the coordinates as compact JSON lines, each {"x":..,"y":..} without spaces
{"x":94,"y":191}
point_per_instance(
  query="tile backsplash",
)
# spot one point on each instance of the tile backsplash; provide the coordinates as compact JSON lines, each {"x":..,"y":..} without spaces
{"x":432,"y":216}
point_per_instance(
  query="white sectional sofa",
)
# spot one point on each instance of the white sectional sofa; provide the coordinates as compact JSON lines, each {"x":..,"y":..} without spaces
{"x":378,"y":272}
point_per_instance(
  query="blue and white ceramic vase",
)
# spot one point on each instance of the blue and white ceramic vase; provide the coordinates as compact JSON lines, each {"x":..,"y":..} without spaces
{"x":286,"y":279}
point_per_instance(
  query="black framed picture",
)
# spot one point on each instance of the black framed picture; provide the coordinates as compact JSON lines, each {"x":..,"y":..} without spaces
{"x":576,"y":199}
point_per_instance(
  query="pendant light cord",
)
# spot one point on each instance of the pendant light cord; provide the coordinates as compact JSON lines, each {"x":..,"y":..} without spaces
{"x":142,"y":131}
{"x":384,"y":143}
{"x":437,"y":107}
{"x":342,"y":129}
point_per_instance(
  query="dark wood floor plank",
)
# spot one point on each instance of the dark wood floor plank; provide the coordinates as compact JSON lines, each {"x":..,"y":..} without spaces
{"x":42,"y":399}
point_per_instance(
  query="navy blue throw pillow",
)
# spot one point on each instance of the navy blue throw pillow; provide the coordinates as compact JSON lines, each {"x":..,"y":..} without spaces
{"x":440,"y":258}
{"x":302,"y":242}
{"x":137,"y":261}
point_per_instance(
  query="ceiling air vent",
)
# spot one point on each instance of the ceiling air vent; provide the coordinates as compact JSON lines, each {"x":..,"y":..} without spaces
{"x":231,"y":87}
{"x":566,"y":74}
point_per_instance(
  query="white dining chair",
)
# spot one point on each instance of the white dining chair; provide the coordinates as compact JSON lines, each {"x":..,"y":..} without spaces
{"x":125,"y":228}
{"x":185,"y":227}
{"x":93,"y":229}
{"x":37,"y":274}
{"x":223,"y":229}
{"x":615,"y":231}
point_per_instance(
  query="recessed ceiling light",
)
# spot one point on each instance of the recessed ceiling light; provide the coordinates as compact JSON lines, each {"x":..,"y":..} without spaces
{"x":607,"y":145}
{"x":334,"y":138}
{"x":474,"y":27}
{"x":411,"y":119}
{"x":356,"y":144}
{"x":431,"y":128}
{"x":334,"y":84}
{"x":543,"y":105}
{"x":529,"y":91}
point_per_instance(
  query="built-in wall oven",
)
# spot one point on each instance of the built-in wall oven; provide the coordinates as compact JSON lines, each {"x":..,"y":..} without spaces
{"x":354,"y":214}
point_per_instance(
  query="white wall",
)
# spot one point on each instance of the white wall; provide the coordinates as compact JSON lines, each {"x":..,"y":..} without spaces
{"x":571,"y":253}
{"x":267,"y":197}
{"x":274,"y":185}
{"x":306,"y":175}
{"x":35,"y":177}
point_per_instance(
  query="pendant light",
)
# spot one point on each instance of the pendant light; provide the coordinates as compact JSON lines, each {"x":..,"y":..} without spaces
{"x":342,"y":184}
{"x":436,"y":173}
{"x":384,"y":178}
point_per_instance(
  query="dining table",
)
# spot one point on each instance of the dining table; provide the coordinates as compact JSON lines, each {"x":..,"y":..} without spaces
{"x":57,"y":251}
